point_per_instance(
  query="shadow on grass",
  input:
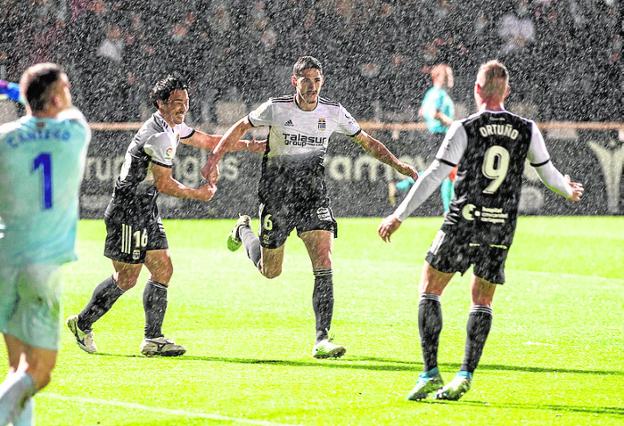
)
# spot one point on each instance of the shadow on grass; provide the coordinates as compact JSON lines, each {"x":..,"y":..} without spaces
{"x":614,"y":411}
{"x":374,"y":364}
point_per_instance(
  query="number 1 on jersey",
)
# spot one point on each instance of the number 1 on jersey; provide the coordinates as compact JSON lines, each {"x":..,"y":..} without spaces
{"x":44,"y":160}
{"x":495,"y":167}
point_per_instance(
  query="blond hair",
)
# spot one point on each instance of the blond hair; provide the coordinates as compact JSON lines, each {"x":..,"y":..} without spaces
{"x":493,"y":78}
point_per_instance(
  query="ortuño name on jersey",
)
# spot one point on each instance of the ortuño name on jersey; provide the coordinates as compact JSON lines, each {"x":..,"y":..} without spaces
{"x":499,"y":130}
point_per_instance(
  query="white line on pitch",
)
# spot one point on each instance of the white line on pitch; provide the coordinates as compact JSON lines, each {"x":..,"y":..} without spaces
{"x":167,"y":411}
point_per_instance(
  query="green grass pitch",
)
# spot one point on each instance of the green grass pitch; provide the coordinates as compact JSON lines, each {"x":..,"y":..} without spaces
{"x":555,"y":354}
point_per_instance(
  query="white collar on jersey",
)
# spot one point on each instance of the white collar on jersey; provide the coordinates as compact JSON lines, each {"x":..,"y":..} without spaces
{"x":160,"y":120}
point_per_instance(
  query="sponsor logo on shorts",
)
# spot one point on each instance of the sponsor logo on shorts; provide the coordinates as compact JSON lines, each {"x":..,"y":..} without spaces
{"x":324,"y":213}
{"x":484,"y":214}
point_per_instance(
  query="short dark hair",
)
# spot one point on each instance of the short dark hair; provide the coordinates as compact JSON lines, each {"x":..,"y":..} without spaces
{"x":36,"y":82}
{"x":163,"y":88}
{"x":306,"y":62}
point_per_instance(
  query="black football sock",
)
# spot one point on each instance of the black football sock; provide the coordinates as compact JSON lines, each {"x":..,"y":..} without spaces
{"x":251,"y":243}
{"x":103,"y":298}
{"x":477,"y":330}
{"x":155,"y":306}
{"x":323,"y":302}
{"x":429,"y":326}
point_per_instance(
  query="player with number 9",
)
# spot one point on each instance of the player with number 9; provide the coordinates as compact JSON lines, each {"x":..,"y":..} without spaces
{"x":490,"y":148}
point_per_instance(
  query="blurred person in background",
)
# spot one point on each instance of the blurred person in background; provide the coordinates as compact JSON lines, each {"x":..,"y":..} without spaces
{"x":437,"y":110}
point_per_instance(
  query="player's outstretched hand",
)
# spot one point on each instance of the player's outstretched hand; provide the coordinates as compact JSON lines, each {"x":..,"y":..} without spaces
{"x":206,"y":191}
{"x":388,"y":226}
{"x":408,"y":170}
{"x":577,"y":190}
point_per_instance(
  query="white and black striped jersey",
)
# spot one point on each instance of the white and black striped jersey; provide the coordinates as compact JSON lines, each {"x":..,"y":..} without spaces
{"x":293,"y":164}
{"x":155,"y":143}
{"x":490,"y":149}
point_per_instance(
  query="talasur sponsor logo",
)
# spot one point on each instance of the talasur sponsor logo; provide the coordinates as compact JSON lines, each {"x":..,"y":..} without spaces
{"x":303,"y":140}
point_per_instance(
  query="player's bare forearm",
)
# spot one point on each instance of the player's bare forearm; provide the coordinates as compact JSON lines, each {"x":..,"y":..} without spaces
{"x":208,"y":142}
{"x":249,"y":146}
{"x":231,"y":138}
{"x":166,"y":184}
{"x":202,"y":140}
{"x":376,"y":149}
{"x":383,"y":154}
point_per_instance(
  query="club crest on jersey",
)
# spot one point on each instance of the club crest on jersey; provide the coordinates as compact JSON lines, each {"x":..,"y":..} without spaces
{"x":322,"y":124}
{"x":169,"y":153}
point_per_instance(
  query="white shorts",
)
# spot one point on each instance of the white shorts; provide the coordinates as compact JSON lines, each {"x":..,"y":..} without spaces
{"x":30,"y":306}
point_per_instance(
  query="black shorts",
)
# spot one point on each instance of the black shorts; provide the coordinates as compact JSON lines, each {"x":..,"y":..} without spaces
{"x":129,"y":242}
{"x":454,"y":251}
{"x":277,"y":221}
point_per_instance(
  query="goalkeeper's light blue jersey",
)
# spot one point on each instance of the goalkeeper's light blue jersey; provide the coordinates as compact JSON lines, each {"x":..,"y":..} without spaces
{"x":436,"y":98}
{"x":41,"y":166}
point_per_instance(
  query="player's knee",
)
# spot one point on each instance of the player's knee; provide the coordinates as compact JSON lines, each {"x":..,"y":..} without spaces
{"x":271,"y":272}
{"x":163,"y":275}
{"x":41,"y":374}
{"x":167,"y":273}
{"x":323,"y":263}
{"x":125,"y":281}
{"x":44,"y":379}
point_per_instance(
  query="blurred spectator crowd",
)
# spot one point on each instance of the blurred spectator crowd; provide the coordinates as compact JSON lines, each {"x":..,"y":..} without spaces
{"x":565,"y":56}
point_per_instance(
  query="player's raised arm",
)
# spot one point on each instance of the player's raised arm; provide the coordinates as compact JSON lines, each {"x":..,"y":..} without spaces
{"x":208,"y":142}
{"x":11,"y":90}
{"x":383,"y":154}
{"x":448,"y":156}
{"x":227,"y":141}
{"x":552,"y":178}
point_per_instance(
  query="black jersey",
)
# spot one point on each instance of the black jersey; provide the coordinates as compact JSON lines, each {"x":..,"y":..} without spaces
{"x":155,"y":143}
{"x":293,"y":165}
{"x":489,"y":177}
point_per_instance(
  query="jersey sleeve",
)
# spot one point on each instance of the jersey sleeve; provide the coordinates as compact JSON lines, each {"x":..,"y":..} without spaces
{"x":185,"y":131}
{"x":75,"y":117}
{"x":347,"y":125}
{"x":538,"y":154}
{"x":262,"y":116}
{"x":160,"y":149}
{"x":454,"y":145}
{"x":422,"y":189}
{"x":540,"y":159}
